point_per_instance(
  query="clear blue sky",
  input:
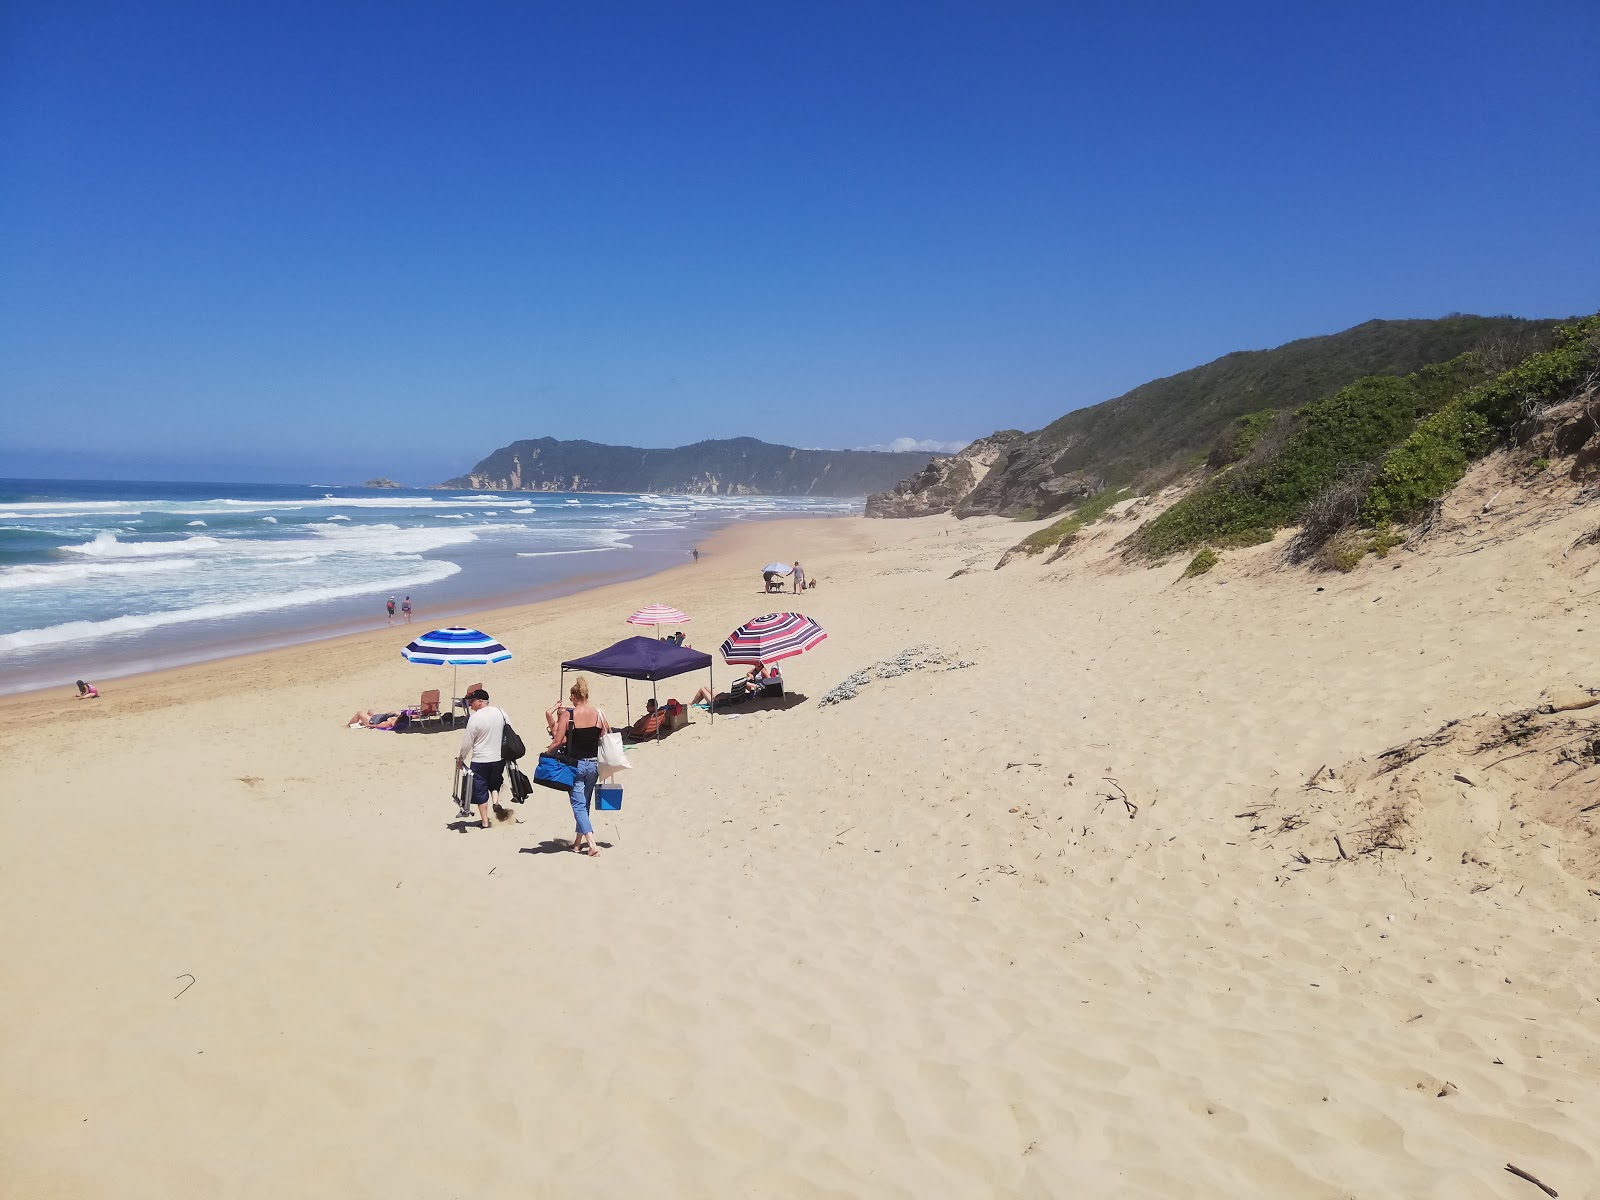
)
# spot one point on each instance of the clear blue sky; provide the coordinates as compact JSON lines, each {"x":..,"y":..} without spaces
{"x":320,"y":242}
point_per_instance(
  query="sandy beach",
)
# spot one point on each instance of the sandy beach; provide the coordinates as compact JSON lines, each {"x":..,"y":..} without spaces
{"x":1069,"y":920}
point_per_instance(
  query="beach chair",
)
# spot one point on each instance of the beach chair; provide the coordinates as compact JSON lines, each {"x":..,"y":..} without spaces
{"x":461,"y":702}
{"x":428,"y":708}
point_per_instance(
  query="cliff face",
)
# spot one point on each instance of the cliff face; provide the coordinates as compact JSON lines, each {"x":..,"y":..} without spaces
{"x":945,"y":481}
{"x":732,"y":467}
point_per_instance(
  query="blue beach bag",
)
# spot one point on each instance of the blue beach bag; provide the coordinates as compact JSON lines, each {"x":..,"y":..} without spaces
{"x":608,"y":799}
{"x":552,"y":772}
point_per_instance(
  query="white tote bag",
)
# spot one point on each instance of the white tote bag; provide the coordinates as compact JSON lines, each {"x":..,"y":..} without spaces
{"x":612,"y":754}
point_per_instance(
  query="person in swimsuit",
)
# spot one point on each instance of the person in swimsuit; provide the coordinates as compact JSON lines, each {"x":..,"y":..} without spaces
{"x":367,"y":719}
{"x":405,"y":608}
{"x":580,"y":728}
{"x":87,"y":691}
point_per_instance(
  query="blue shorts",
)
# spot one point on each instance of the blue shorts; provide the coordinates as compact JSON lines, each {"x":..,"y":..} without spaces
{"x":486,"y":778}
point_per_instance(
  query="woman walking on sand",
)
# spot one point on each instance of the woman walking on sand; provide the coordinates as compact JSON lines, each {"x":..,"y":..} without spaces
{"x":580,"y":728}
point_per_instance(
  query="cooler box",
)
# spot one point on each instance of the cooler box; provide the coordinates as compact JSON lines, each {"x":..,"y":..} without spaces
{"x":608,"y":799}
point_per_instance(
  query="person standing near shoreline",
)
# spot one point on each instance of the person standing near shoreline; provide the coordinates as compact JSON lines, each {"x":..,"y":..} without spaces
{"x":405,"y":608}
{"x":391,"y":610}
{"x":480,"y":750}
{"x":580,"y":727}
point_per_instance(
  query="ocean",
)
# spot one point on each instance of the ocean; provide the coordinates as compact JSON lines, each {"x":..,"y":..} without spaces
{"x":105,"y":578}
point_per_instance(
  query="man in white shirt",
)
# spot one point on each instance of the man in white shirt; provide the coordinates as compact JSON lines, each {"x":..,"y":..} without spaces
{"x":480,"y":750}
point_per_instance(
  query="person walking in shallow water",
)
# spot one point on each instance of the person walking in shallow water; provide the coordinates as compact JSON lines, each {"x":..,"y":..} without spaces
{"x":405,"y":608}
{"x":391,"y":610}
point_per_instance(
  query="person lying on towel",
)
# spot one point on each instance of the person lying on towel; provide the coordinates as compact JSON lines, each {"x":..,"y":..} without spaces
{"x":367,"y":719}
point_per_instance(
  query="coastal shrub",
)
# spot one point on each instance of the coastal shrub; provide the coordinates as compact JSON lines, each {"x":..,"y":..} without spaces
{"x":1320,"y":443}
{"x":1240,"y":438}
{"x":1539,"y":465}
{"x":1201,"y":563}
{"x":1331,"y":513}
{"x":1435,"y":456}
{"x":1027,"y":514}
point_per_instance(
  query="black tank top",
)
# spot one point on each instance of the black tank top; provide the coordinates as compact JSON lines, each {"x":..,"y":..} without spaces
{"x":583,"y":742}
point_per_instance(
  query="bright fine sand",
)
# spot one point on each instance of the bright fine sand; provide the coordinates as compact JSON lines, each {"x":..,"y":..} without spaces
{"x":914,"y":944}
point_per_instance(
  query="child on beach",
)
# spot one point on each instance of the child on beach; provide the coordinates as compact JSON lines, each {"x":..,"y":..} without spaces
{"x":87,"y":691}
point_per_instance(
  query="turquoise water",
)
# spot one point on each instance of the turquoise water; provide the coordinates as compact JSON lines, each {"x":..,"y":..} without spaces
{"x":99,"y":578}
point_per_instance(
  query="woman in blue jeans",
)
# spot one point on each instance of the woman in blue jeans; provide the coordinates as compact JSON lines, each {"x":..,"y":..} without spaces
{"x":580,"y":728}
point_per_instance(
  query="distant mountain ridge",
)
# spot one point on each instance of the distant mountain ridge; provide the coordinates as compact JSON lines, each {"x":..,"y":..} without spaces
{"x":728,"y":467}
{"x":1164,"y":428}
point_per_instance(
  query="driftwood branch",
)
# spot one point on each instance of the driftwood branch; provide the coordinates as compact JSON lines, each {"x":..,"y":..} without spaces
{"x":1538,"y":1183}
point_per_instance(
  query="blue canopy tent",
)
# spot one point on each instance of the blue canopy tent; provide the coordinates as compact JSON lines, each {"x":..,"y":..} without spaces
{"x":640,"y":658}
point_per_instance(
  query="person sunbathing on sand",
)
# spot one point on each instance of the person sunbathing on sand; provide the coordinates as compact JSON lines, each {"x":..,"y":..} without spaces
{"x":751,"y":684}
{"x":367,"y":719}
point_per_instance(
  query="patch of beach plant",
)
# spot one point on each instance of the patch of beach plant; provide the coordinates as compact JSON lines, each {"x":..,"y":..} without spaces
{"x":1538,"y":466}
{"x":1027,"y":514}
{"x":1201,"y":563}
{"x":1063,"y":530}
{"x":1345,"y":550}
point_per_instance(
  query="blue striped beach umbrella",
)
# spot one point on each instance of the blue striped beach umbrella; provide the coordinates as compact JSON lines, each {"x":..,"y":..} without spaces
{"x":455,"y":647}
{"x":772,"y":637}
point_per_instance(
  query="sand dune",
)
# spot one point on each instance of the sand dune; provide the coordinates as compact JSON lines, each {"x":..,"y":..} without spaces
{"x":996,"y":930}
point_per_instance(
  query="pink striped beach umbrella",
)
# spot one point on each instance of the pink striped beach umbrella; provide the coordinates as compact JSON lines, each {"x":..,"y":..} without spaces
{"x":772,"y":637}
{"x":658,"y":615}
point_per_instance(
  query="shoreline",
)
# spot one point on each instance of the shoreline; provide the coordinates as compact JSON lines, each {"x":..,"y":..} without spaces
{"x":719,"y":543}
{"x":249,"y":646}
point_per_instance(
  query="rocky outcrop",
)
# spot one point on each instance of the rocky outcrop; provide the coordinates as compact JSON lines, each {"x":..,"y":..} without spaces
{"x":383,"y":481}
{"x":945,"y":482}
{"x":1028,"y":482}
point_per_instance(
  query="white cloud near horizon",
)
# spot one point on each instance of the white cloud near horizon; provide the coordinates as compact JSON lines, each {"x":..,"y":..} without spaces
{"x":902,"y":445}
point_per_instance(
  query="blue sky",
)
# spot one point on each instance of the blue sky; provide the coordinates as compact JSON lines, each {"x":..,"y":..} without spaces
{"x":295,"y":242}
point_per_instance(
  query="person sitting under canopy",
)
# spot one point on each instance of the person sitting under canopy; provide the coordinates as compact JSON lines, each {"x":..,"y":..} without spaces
{"x":646,"y":726}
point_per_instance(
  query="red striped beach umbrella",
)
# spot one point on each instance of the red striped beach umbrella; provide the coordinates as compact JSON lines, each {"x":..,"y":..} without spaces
{"x":772,"y":637}
{"x":658,"y":615}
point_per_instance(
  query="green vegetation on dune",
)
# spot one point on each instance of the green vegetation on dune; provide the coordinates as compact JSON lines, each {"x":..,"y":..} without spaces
{"x":1436,"y":454}
{"x":1378,"y":450}
{"x":1170,"y":420}
{"x":1251,"y":500}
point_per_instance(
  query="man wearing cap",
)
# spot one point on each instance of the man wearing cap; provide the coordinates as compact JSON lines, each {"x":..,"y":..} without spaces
{"x":480,"y":750}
